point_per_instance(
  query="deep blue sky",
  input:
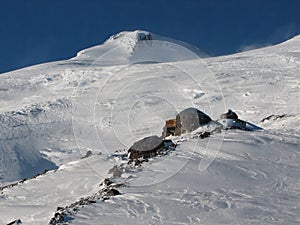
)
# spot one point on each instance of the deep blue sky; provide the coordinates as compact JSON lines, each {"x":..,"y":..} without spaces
{"x":35,"y":31}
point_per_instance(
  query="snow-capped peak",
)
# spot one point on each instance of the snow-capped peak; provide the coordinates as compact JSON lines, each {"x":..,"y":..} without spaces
{"x":130,"y":37}
{"x":131,"y":46}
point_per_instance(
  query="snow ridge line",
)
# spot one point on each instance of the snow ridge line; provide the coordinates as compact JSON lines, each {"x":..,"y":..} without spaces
{"x":63,"y":215}
{"x":22,"y":181}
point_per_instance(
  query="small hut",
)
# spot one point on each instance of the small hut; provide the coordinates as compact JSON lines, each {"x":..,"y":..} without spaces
{"x":230,"y":120}
{"x":229,"y":115}
{"x":169,"y":128}
{"x":189,"y":120}
{"x":146,"y":148}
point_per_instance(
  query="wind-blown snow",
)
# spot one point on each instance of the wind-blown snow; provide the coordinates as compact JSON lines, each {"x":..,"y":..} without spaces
{"x":53,"y":114}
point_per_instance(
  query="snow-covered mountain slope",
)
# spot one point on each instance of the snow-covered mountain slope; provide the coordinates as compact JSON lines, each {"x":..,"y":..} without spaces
{"x":253,"y":180}
{"x":114,"y":94}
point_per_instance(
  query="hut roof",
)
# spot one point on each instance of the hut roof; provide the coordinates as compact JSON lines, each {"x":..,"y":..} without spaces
{"x":189,"y":120}
{"x":148,"y":144}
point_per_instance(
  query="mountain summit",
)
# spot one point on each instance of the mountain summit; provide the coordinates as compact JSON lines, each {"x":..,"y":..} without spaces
{"x":131,"y":46}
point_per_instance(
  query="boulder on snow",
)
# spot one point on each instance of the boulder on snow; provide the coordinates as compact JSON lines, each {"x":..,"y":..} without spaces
{"x":189,"y":120}
{"x":105,"y":183}
{"x":149,"y":147}
{"x":115,"y":171}
{"x":146,"y":148}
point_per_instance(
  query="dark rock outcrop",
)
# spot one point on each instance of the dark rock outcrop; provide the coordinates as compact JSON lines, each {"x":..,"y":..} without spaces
{"x":112,"y":192}
{"x":63,"y":215}
{"x":274,"y":117}
{"x":115,"y":171}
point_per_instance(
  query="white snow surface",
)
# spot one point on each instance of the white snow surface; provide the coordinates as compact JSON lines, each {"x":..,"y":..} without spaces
{"x":111,"y":95}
